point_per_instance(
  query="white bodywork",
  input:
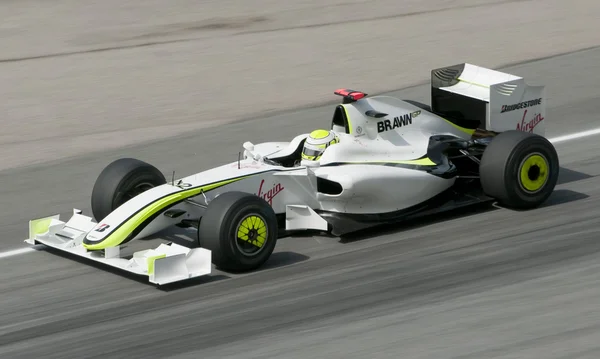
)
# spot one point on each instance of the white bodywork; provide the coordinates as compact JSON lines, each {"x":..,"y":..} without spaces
{"x":381,"y":164}
{"x":510,"y":103}
{"x":162,"y":265}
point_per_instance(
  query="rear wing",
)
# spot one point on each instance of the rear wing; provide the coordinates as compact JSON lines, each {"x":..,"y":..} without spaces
{"x":492,"y":100}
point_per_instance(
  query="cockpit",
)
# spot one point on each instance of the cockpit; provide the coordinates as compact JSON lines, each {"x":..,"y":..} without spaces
{"x":292,"y":155}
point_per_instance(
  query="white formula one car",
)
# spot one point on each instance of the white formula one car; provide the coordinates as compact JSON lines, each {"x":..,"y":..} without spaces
{"x":386,"y":160}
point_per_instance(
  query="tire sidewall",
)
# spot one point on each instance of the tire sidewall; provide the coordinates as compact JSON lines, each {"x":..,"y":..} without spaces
{"x":218,"y":230}
{"x":230,"y":228}
{"x":130,"y":181}
{"x":513,"y":169}
{"x":116,"y":180}
{"x":500,"y":168}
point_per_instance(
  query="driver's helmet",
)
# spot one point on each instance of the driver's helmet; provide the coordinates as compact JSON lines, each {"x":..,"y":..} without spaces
{"x":317,"y":142}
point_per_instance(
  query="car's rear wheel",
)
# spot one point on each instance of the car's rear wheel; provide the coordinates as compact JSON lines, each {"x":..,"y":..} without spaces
{"x":120,"y":181}
{"x":519,"y":169}
{"x":240,"y":229}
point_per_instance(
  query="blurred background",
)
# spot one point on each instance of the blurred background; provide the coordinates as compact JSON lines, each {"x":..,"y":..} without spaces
{"x":82,"y":76}
{"x":182,"y":84}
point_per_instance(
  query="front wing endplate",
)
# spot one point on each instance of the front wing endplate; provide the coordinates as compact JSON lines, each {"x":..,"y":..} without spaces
{"x":164,"y":264}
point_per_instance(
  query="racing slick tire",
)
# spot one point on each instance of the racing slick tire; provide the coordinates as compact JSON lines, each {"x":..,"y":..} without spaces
{"x":120,"y":181}
{"x":519,"y":169}
{"x":240,"y":229}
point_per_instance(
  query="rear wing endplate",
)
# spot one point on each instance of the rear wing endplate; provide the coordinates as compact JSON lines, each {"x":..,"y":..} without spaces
{"x":498,"y":101}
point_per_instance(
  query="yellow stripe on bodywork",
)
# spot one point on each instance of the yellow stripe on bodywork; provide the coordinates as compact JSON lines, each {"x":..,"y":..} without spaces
{"x":121,"y":233}
{"x":463,"y":129}
{"x":473,"y":83}
{"x":150,"y":261}
{"x":348,"y":119}
{"x":417,"y":162}
{"x":39,"y":226}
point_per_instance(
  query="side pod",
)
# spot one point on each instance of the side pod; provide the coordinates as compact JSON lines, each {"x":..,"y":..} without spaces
{"x":164,"y":264}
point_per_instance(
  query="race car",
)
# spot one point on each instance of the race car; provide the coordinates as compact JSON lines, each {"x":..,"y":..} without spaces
{"x":381,"y":160}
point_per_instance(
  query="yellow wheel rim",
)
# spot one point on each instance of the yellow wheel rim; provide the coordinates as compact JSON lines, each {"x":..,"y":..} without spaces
{"x":533,"y":173}
{"x":251,"y":234}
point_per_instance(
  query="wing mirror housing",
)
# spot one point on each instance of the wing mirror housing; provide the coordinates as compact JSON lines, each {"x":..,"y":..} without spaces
{"x":249,"y":147}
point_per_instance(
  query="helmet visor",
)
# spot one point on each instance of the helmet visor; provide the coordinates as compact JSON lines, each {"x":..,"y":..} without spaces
{"x":312,"y":154}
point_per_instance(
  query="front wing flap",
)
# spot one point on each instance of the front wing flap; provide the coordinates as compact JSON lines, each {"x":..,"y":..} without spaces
{"x":164,"y":264}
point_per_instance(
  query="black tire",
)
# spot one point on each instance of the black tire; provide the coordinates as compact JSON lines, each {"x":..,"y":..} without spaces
{"x":519,"y":169}
{"x":120,"y":181}
{"x":219,"y":226}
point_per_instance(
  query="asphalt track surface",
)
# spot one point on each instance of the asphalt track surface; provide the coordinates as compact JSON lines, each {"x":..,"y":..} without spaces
{"x":496,"y":284}
{"x":491,"y":283}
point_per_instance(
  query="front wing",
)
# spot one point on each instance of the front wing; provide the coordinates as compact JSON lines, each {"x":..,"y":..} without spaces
{"x":164,"y":264}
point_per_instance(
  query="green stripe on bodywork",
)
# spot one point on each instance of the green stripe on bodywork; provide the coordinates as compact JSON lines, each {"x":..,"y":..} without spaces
{"x":348,"y":119}
{"x":151,"y":260}
{"x":125,"y":229}
{"x":39,"y":226}
{"x":417,"y":162}
{"x":421,"y":162}
{"x":460,"y":128}
{"x":473,"y":83}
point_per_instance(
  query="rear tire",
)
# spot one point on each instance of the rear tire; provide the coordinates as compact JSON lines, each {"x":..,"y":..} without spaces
{"x":519,"y":169}
{"x":120,"y":181}
{"x":240,"y":229}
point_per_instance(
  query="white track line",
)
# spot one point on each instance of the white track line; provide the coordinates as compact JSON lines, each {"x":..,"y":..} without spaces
{"x":16,"y":252}
{"x":575,"y":135}
{"x":570,"y":137}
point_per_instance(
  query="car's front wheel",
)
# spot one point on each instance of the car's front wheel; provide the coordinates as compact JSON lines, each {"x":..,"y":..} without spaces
{"x":120,"y":181}
{"x":240,"y":229}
